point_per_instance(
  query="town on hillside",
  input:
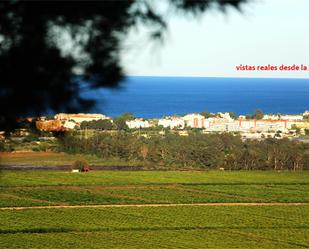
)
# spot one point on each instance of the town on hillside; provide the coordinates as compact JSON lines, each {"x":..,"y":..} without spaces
{"x":255,"y":126}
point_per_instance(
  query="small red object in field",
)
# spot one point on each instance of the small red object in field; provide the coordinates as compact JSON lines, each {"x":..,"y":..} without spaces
{"x":86,"y":169}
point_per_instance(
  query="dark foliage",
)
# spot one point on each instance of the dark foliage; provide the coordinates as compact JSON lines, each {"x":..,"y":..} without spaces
{"x":97,"y":125}
{"x":195,"y":151}
{"x":37,"y":64}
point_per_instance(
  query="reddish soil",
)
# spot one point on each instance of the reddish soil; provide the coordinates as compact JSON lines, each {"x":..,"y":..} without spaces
{"x":26,"y":153}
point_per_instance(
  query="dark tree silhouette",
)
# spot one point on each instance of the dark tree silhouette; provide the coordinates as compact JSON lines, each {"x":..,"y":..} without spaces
{"x":37,"y":63}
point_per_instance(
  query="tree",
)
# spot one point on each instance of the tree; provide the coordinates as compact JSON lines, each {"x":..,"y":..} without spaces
{"x":121,"y":120}
{"x":198,"y":150}
{"x":120,"y":124}
{"x":207,"y":114}
{"x":258,"y":114}
{"x":102,"y":124}
{"x":127,"y":116}
{"x":44,"y":43}
{"x":233,"y":115}
{"x":144,"y":151}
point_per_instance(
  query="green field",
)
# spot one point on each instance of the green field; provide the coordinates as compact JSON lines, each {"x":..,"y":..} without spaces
{"x":33,"y":188}
{"x":58,"y":159}
{"x":157,"y":227}
{"x":115,"y":178}
{"x":154,"y":227}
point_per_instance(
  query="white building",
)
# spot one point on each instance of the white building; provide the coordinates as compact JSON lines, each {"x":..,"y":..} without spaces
{"x":195,"y":120}
{"x":224,"y":127}
{"x":292,"y":117}
{"x":172,"y":123}
{"x":80,"y":117}
{"x":69,"y":125}
{"x":271,"y":117}
{"x":137,"y":123}
{"x":225,"y":116}
{"x":221,"y":125}
{"x":306,"y":113}
{"x":271,"y":126}
{"x":247,"y":124}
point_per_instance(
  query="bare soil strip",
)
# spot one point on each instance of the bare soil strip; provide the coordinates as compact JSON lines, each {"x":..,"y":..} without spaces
{"x":159,"y":205}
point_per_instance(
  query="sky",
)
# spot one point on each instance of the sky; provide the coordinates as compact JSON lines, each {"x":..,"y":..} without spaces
{"x":265,"y":32}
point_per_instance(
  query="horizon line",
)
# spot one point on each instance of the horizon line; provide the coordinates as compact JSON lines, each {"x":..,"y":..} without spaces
{"x":227,"y":77}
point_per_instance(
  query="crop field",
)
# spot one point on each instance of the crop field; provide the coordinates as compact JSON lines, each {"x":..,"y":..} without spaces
{"x":116,"y":178}
{"x":55,"y":159}
{"x":145,"y":226}
{"x":163,"y":193}
{"x":157,"y":227}
{"x":45,"y":188}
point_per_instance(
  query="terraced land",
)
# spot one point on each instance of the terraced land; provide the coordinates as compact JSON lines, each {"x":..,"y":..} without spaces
{"x":191,"y":226}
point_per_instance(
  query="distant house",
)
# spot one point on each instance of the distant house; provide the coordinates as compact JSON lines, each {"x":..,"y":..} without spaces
{"x":225,"y":116}
{"x":292,"y":117}
{"x":194,"y":120}
{"x":247,"y":124}
{"x":69,"y":125}
{"x":49,"y":125}
{"x":80,"y":117}
{"x":271,"y":125}
{"x":137,"y":123}
{"x":55,"y":125}
{"x":271,"y":117}
{"x":306,"y":114}
{"x":172,"y":123}
{"x":283,"y":117}
{"x":224,"y":127}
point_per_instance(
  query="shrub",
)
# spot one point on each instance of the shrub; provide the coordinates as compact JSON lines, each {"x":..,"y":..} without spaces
{"x":30,"y":138}
{"x":6,"y":147}
{"x":81,"y":165}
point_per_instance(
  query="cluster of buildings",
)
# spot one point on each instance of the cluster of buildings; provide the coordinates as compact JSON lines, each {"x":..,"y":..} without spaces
{"x":138,"y":123}
{"x":269,"y":125}
{"x":63,"y":121}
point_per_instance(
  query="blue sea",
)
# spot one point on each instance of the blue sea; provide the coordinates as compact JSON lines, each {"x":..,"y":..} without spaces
{"x":153,"y":97}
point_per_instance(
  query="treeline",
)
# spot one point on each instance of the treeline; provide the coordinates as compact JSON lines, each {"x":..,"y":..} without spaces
{"x":118,"y":123}
{"x":211,"y":151}
{"x":105,"y":124}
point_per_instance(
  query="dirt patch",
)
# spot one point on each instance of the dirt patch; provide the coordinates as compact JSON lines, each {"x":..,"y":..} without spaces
{"x":27,"y":154}
{"x":69,"y":167}
{"x":157,"y":205}
{"x":122,"y":187}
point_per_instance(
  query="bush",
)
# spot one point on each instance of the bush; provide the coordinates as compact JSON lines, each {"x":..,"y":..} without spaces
{"x":5,"y":147}
{"x":31,"y":138}
{"x":81,"y":165}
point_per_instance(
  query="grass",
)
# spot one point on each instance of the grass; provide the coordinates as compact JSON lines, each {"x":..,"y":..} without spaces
{"x":157,"y":227}
{"x":115,"y":178}
{"x":35,"y":188}
{"x":90,"y":195}
{"x":56,"y":159}
{"x":154,"y":227}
